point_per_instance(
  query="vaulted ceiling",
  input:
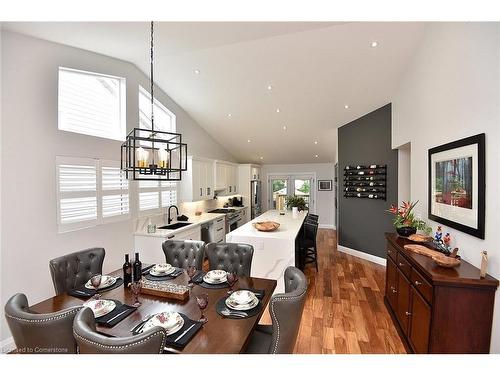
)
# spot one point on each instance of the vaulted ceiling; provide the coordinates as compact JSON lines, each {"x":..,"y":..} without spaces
{"x":245,"y":83}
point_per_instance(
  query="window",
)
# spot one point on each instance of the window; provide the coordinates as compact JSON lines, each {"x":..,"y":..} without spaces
{"x":154,"y":195}
{"x":164,"y":119}
{"x":90,"y":192}
{"x":92,"y":104}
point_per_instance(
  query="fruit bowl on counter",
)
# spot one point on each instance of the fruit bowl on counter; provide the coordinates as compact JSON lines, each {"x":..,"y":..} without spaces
{"x":266,"y":226}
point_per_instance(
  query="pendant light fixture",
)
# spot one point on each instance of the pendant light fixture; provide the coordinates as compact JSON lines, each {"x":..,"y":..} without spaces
{"x":150,"y":154}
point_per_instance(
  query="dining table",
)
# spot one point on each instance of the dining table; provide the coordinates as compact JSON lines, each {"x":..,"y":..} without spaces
{"x":219,"y":335}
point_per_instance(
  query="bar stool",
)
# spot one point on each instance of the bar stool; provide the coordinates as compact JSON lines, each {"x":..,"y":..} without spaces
{"x":308,"y":252}
{"x":312,"y":217}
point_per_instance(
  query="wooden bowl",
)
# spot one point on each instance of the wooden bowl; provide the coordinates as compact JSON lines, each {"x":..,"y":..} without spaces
{"x":419,"y":238}
{"x":422,"y":250}
{"x":266,"y":226}
{"x":444,"y":261}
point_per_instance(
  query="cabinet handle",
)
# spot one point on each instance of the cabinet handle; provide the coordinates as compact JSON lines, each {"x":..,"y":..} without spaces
{"x":230,"y":188}
{"x":218,"y":230}
{"x":407,"y":313}
{"x":208,"y":191}
{"x":220,"y":220}
{"x":172,"y":236}
{"x":201,"y":192}
{"x":394,"y":290}
{"x":417,"y":283}
{"x":401,"y":264}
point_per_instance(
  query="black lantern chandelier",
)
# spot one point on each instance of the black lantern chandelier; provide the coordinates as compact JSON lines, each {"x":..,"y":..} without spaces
{"x":153,"y":155}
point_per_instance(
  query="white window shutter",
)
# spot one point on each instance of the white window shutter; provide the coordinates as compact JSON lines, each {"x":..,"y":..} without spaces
{"x":114,"y":192}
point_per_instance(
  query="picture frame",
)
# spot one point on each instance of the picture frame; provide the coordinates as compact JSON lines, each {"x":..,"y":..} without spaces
{"x":325,"y":185}
{"x":457,"y":185}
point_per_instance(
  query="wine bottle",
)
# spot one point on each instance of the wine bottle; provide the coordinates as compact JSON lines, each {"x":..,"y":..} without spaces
{"x":137,"y":268}
{"x":127,"y":272}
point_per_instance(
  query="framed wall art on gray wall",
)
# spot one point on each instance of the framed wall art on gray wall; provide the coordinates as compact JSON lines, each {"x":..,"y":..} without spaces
{"x":324,"y":185}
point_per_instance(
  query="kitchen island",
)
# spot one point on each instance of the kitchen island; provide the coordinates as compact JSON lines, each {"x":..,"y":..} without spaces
{"x":273,"y":251}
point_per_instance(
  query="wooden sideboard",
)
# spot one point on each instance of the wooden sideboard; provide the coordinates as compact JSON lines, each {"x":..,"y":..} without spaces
{"x":436,"y":309}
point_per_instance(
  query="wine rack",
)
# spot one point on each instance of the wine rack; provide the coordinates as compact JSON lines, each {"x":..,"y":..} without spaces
{"x":363,"y":181}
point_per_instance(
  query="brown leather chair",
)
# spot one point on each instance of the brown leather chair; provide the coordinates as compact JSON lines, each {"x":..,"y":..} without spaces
{"x":230,"y":257}
{"x":286,"y":312}
{"x":74,"y":270}
{"x":40,"y":333}
{"x":183,"y":254}
{"x":91,"y":342}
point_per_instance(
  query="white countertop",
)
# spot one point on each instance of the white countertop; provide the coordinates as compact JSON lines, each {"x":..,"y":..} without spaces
{"x":289,"y":226}
{"x":193,"y":219}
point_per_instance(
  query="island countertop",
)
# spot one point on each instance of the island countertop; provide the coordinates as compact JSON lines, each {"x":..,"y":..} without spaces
{"x":289,"y":226}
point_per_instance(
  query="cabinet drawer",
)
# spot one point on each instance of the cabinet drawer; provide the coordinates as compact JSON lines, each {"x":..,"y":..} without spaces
{"x":403,"y":265}
{"x":392,"y":252}
{"x":421,"y":285}
{"x":219,"y":223}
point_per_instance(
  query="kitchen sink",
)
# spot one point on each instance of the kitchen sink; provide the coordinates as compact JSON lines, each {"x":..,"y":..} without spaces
{"x":174,"y":226}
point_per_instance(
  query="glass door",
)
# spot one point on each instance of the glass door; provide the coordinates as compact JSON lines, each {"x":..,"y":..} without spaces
{"x":283,"y":186}
{"x":279,"y":192}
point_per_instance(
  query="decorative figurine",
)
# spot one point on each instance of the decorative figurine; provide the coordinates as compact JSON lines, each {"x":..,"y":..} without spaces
{"x":438,"y":237}
{"x":484,"y":264}
{"x":447,"y":240}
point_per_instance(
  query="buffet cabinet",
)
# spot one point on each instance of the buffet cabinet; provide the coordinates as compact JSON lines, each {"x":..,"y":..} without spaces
{"x":436,"y":309}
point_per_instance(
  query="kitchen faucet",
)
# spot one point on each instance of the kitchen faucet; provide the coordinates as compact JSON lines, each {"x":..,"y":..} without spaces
{"x":169,"y":219}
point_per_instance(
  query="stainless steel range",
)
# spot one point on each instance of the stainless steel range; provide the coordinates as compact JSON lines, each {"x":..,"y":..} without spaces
{"x":233,"y":217}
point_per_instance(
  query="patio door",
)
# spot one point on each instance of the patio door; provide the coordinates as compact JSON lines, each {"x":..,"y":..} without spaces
{"x":282,"y":186}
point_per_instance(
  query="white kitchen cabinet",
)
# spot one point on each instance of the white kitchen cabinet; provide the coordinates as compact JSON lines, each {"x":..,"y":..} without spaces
{"x":198,"y":181}
{"x":255,"y":173}
{"x":226,"y":178}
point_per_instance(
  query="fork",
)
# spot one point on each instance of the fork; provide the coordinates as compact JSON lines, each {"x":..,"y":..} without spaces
{"x":141,"y":324}
{"x":239,"y":314}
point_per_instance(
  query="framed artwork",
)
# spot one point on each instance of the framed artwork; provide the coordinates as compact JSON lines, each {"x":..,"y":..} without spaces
{"x":457,"y":185}
{"x":324,"y":185}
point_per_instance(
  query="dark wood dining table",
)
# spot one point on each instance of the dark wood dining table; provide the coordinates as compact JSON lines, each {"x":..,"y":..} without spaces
{"x":218,"y":335}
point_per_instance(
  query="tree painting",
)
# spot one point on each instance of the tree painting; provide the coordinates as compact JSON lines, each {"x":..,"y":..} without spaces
{"x":453,"y":182}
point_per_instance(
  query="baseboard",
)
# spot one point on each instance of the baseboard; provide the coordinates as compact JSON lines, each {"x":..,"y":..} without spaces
{"x":327,"y":226}
{"x":8,"y":345}
{"x":362,"y":255}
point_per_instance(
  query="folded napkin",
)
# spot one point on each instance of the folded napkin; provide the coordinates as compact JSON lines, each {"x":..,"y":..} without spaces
{"x":259,"y":293}
{"x":198,"y":278}
{"x":116,"y":316}
{"x":145,"y":271}
{"x":177,"y":272}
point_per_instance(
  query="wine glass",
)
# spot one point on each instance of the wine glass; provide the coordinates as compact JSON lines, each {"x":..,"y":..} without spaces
{"x":191,"y":271}
{"x":136,"y":287}
{"x":231,"y":280}
{"x":95,"y":281}
{"x":202,"y":301}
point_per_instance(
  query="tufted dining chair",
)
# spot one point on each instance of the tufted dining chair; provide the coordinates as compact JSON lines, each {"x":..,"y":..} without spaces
{"x":286,"y":312}
{"x":91,"y":342}
{"x":183,"y":254}
{"x":230,"y":257}
{"x":74,"y":270}
{"x":35,"y":333}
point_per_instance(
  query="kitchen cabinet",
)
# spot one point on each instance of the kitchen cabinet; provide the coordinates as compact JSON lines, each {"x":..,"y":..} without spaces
{"x":198,"y":181}
{"x":255,"y":172}
{"x":436,"y":309}
{"x":226,"y":178}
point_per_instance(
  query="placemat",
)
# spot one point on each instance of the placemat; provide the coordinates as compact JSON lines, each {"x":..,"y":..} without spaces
{"x":173,"y":275}
{"x":221,"y":305}
{"x":184,"y":338}
{"x":198,"y":279}
{"x":83,"y":292}
{"x":120,"y":312}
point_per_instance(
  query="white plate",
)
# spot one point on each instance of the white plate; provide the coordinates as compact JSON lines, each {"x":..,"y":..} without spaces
{"x":163,"y":268}
{"x":100,"y":307}
{"x":154,"y":273}
{"x":235,"y":306}
{"x":215,"y":277}
{"x":106,"y":281}
{"x":171,"y":321}
{"x":242,"y":297}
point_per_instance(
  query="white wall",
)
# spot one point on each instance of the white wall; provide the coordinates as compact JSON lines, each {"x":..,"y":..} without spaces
{"x":404,"y":172}
{"x":451,"y":91}
{"x":325,"y":204}
{"x":30,"y":143}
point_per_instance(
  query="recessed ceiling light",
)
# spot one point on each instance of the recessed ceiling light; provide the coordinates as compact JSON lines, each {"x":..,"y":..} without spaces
{"x":315,"y":142}
{"x":277,"y":110}
{"x":316,"y":156}
{"x":262,"y":158}
{"x":269,"y":87}
{"x":229,"y":115}
{"x":374,"y":44}
{"x":346,"y":106}
{"x":249,"y":140}
{"x":196,"y":71}
{"x":284,"y":127}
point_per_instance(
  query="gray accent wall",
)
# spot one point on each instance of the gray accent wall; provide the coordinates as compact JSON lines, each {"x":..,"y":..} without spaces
{"x":363,"y":222}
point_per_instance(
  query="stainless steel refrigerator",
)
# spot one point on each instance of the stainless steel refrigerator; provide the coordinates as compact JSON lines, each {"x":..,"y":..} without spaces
{"x":255,"y":192}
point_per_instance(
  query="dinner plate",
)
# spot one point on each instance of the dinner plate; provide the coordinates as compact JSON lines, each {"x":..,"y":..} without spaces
{"x":100,"y":307}
{"x":242,"y":297}
{"x":162,"y":268}
{"x":106,"y":281}
{"x":242,"y":307}
{"x":153,"y":272}
{"x":171,"y":321}
{"x":215,"y":277}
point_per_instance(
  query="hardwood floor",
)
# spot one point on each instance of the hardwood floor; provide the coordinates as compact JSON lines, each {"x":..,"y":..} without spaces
{"x":344,"y":310}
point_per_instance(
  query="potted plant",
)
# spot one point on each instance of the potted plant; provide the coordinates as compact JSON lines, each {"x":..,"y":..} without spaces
{"x":405,"y":221}
{"x":295,"y":201}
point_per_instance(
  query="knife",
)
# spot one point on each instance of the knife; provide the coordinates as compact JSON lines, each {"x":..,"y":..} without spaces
{"x":183,"y":333}
{"x":141,"y":324}
{"x":80,"y":292}
{"x":116,"y":316}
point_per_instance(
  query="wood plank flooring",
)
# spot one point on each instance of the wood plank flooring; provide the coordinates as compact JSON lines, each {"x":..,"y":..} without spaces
{"x":344,"y":311}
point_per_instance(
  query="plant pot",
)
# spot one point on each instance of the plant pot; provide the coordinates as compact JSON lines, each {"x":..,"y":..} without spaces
{"x":406,"y":231}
